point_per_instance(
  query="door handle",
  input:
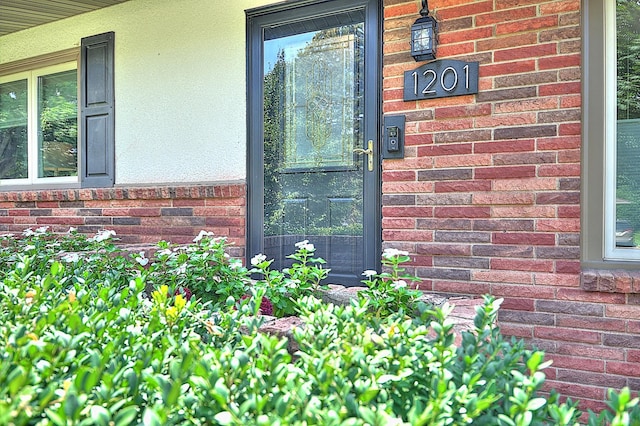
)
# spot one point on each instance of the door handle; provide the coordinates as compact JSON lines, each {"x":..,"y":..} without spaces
{"x":368,"y":152}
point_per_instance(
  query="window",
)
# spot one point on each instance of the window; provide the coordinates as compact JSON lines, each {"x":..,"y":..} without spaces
{"x":611,"y":147}
{"x":57,"y":118}
{"x":39,"y":126}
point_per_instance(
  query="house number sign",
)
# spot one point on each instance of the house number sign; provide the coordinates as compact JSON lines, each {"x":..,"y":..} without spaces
{"x":441,"y":79}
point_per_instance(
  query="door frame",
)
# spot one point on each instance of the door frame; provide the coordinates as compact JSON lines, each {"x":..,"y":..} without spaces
{"x":296,"y":11}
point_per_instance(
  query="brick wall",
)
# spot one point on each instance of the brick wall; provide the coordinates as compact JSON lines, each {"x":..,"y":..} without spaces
{"x":487,"y":199}
{"x":137,"y":214}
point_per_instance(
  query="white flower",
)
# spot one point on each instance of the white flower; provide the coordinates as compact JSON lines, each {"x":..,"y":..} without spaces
{"x":390,"y":253}
{"x":29,"y":247}
{"x":71,"y":257}
{"x":369,"y":273}
{"x":28,"y":232}
{"x":103,"y":235}
{"x":235,"y":263}
{"x":399,"y":284}
{"x":72,"y":230}
{"x":258,"y":259}
{"x":141,"y":259}
{"x":42,"y":230}
{"x":201,"y":235}
{"x":305,"y":245}
{"x":165,"y":252}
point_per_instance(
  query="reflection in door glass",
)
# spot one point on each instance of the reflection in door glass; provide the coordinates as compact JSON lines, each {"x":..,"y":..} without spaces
{"x":313,"y":112}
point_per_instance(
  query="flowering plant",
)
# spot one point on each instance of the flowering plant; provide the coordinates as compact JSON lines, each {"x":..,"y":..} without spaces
{"x":389,"y":291}
{"x":284,"y":288}
{"x":202,"y":268}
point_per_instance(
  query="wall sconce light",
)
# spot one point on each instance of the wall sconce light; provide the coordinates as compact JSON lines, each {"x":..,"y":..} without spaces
{"x":423,"y":35}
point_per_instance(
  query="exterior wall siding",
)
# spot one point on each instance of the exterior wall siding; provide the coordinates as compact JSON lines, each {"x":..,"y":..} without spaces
{"x":487,"y":198}
{"x":137,"y":214}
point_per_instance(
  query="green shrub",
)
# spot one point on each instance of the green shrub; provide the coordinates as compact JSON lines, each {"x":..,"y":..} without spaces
{"x":89,"y":347}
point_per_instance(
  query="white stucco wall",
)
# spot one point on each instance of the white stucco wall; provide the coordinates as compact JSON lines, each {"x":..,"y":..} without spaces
{"x":179,"y":81}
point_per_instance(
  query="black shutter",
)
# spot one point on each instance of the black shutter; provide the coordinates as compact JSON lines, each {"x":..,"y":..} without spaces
{"x":97,"y":147}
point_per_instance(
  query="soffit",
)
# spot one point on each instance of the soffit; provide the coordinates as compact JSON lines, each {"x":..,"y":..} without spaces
{"x":18,"y":15}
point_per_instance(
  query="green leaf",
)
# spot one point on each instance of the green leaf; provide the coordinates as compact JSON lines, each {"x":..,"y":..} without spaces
{"x":71,"y":405}
{"x":55,"y":417}
{"x":99,"y":415}
{"x":126,"y":416}
{"x":536,"y":404}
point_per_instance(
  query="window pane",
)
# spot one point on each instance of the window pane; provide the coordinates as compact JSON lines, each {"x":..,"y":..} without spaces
{"x":58,"y":124}
{"x":13,"y":130}
{"x":628,"y":123}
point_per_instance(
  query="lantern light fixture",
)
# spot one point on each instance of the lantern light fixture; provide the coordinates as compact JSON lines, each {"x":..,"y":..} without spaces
{"x":423,"y":35}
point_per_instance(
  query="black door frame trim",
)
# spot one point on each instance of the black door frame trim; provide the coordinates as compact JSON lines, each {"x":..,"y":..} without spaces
{"x":256,"y":20}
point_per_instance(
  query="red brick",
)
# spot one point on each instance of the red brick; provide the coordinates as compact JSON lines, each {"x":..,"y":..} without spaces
{"x":507,"y":68}
{"x":557,"y":62}
{"x":513,"y":290}
{"x":388,"y":223}
{"x":535,"y":51}
{"x":558,"y":279}
{"x":559,"y":170}
{"x":400,"y":10}
{"x":591,"y":323}
{"x":567,"y":334}
{"x":589,"y":296}
{"x":559,"y":89}
{"x":559,"y":143}
{"x":506,"y":16}
{"x":624,"y":311}
{"x":623,"y":368}
{"x":577,"y":363}
{"x":464,"y":35}
{"x":411,"y":235}
{"x":465,"y":212}
{"x":397,"y":211}
{"x":460,"y":287}
{"x":462,"y":186}
{"x":394,"y":176}
{"x":471,"y":9}
{"x":633,"y":355}
{"x":406,"y":187}
{"x":520,"y":331}
{"x":522,"y":265}
{"x":445,"y":149}
{"x":504,"y":42}
{"x":50,"y":220}
{"x":559,"y":7}
{"x":518,"y":304}
{"x":569,"y":129}
{"x":526,"y":25}
{"x":524,"y":238}
{"x":574,"y":390}
{"x":590,"y":351}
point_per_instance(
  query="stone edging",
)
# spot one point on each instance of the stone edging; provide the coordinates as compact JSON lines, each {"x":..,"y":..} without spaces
{"x":462,"y":316}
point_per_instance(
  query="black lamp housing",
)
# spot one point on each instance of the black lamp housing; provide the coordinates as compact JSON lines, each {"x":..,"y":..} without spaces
{"x":423,"y":35}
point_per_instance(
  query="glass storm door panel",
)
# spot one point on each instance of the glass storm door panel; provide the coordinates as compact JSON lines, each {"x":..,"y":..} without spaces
{"x":316,"y":120}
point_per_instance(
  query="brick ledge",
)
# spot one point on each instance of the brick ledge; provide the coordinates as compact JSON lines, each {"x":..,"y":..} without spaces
{"x":610,"y":281}
{"x":211,"y":190}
